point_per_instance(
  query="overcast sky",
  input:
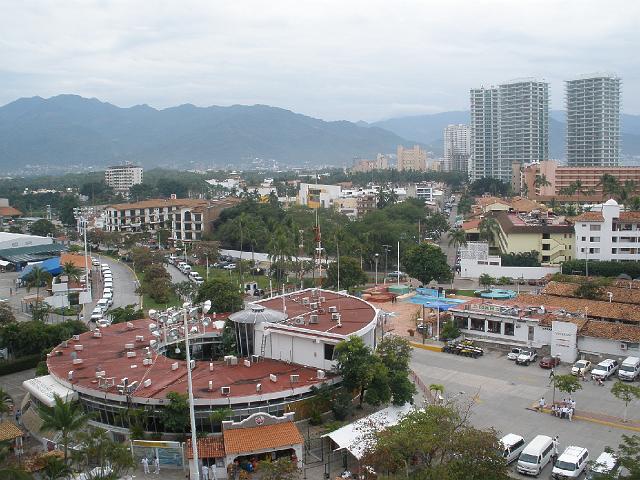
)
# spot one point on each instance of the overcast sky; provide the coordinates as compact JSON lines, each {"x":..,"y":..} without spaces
{"x":342,"y":59}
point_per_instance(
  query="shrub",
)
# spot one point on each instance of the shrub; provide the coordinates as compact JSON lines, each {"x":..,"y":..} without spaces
{"x":23,"y":363}
{"x":342,"y":406}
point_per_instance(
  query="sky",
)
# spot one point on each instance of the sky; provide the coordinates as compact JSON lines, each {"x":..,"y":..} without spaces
{"x":345,"y":59}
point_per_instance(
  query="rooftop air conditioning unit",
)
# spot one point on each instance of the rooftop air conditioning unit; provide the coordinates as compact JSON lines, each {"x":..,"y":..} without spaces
{"x":305,"y":300}
{"x":247,"y":363}
{"x":139,"y":338}
{"x":255,"y":358}
{"x":225,"y":390}
{"x":210,"y":385}
{"x":78,"y":347}
{"x":129,"y":346}
{"x":130,"y":325}
{"x":299,"y":320}
{"x":335,"y":316}
{"x":322,"y":299}
{"x":313,"y":318}
{"x":258,"y":387}
{"x":152,"y":326}
{"x":211,"y":366}
{"x":273,"y":377}
{"x":295,"y":378}
{"x":192,"y":364}
{"x":147,"y":361}
{"x":135,"y":365}
{"x":70,"y":375}
{"x":100,"y":374}
{"x":146,"y":383}
{"x":131,"y":354}
{"x":97,"y":334}
{"x":76,"y":337}
{"x":174,"y":366}
{"x":313,"y":305}
{"x":333,"y":309}
{"x":321,"y":375}
{"x":77,"y":361}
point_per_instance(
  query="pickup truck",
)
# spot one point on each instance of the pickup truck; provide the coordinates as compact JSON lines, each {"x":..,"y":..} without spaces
{"x":526,"y":357}
{"x":514,"y":353}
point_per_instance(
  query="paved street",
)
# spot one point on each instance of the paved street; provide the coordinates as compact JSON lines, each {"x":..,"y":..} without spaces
{"x":124,"y":283}
{"x":503,"y":392}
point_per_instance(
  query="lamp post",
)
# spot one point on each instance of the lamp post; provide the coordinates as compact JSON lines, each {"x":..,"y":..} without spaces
{"x":377,"y":257}
{"x":386,"y":255}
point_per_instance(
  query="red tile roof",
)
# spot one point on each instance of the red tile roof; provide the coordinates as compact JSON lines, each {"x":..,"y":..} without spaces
{"x":9,"y":212}
{"x":630,"y":216}
{"x":589,"y":217}
{"x":471,"y":224}
{"x":209,"y":447}
{"x":266,"y":437}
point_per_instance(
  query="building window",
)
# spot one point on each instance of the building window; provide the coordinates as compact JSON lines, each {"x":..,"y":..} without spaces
{"x":477,"y":324}
{"x":546,"y":258}
{"x":584,"y":239}
{"x":509,"y":329}
{"x":460,"y":322}
{"x":546,"y":246}
{"x":493,"y":326}
{"x":546,"y":236}
{"x":614,"y":239}
{"x":594,"y":239}
{"x":614,"y":250}
{"x":328,"y":351}
{"x":595,"y":228}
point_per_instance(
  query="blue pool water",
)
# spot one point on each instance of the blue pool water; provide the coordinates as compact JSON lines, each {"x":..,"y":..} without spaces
{"x":435,"y":302}
{"x":496,"y":293}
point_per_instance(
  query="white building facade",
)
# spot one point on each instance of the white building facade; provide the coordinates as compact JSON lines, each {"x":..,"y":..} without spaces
{"x":122,"y":177}
{"x":606,"y":233}
{"x":457,"y":147}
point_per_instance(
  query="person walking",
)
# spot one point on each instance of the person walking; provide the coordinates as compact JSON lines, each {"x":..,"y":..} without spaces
{"x":145,"y":464}
{"x":552,"y":374}
{"x":156,"y":464}
{"x":554,"y":455}
{"x":541,"y":404}
{"x":205,"y":472}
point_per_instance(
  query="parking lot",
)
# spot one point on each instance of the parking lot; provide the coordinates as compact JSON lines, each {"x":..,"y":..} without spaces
{"x":503,"y":394}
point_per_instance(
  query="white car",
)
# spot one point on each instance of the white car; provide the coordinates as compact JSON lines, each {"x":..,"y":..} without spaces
{"x":95,"y":262}
{"x":108,"y":295}
{"x":231,"y":266}
{"x":96,"y":317}
{"x":108,"y":284}
{"x":605,"y":369}
{"x":581,"y":367}
{"x":103,"y":304}
{"x":514,"y":353}
{"x":102,"y":323}
{"x":571,"y":463}
{"x":396,"y":274}
{"x":526,"y":357}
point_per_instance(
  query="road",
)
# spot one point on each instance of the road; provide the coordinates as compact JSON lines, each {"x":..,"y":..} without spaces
{"x":502,"y":393}
{"x":124,"y":283}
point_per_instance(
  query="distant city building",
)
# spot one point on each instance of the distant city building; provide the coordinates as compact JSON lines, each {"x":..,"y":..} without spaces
{"x":187,"y":219}
{"x":426,"y":191}
{"x":509,"y":123}
{"x":7,"y":212}
{"x":412,"y":159}
{"x":122,"y":177}
{"x":381,"y":162}
{"x":457,"y":147}
{"x":593,"y":121}
{"x":314,"y":195}
{"x":605,"y":233}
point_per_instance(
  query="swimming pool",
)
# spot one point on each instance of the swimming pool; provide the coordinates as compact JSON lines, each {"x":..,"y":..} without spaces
{"x":496,"y":293}
{"x":440,"y":303}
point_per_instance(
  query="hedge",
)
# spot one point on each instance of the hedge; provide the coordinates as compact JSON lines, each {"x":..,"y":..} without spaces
{"x":22,"y":363}
{"x":603,"y":269}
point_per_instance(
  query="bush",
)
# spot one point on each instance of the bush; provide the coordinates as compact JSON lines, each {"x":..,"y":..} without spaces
{"x":342,"y":406}
{"x":522,"y":259}
{"x":449,"y":331}
{"x":23,"y":363}
{"x":603,"y":269}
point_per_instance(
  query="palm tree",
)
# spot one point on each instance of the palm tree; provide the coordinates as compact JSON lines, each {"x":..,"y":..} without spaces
{"x":457,"y":238}
{"x":37,"y":278}
{"x":568,"y":190}
{"x":541,"y":181}
{"x":610,"y":185}
{"x":281,"y":248}
{"x":63,"y":417}
{"x":487,"y":228}
{"x":71,"y":271}
{"x":56,"y":469}
{"x":625,"y":191}
{"x":10,"y":473}
{"x":5,"y":403}
{"x":634,"y":204}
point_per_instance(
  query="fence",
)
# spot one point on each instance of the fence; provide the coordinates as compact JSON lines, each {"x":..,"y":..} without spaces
{"x":421,"y":386}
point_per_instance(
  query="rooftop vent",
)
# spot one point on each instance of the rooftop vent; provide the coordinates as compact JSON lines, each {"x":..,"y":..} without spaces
{"x":273,"y":377}
{"x":258,"y":387}
{"x":76,"y":337}
{"x":295,"y":378}
{"x":174,"y":366}
{"x":225,"y":390}
{"x":78,"y":347}
{"x":313,"y":318}
{"x":247,"y":363}
{"x":321,"y":375}
{"x":146,"y":383}
{"x":305,"y":300}
{"x":255,"y":358}
{"x":139,"y":338}
{"x":333,"y":309}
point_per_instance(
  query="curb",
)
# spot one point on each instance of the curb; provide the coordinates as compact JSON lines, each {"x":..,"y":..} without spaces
{"x":606,"y":423}
{"x":433,"y":348}
{"x":141,"y":297}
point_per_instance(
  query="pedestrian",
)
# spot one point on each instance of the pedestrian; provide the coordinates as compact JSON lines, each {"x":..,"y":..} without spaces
{"x":569,"y":413}
{"x":156,"y":464}
{"x":145,"y":464}
{"x":554,"y":455}
{"x":18,"y":415}
{"x":212,"y":473}
{"x":541,"y":404}
{"x":205,"y":472}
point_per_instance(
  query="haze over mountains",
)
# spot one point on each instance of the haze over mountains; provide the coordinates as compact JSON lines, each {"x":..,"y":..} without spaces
{"x":72,"y":131}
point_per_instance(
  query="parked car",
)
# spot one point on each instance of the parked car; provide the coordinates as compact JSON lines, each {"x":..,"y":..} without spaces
{"x":629,"y":369}
{"x":96,"y":315}
{"x":581,"y":367}
{"x":535,"y":455}
{"x":526,"y":357}
{"x":514,"y":353}
{"x":605,"y":466}
{"x":549,"y":362}
{"x":231,"y":266}
{"x":396,"y":274}
{"x":571,"y":463}
{"x":605,"y":369}
{"x":512,"y":445}
{"x":102,"y":323}
{"x":95,"y":262}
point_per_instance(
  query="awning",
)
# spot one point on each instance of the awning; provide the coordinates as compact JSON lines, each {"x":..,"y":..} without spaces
{"x":46,"y":388}
{"x":4,"y":263}
{"x":52,"y":266}
{"x":355,"y":437}
{"x":33,"y":253}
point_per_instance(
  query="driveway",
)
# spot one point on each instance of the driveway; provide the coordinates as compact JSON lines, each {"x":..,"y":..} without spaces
{"x":124,"y":283}
{"x":503,"y":393}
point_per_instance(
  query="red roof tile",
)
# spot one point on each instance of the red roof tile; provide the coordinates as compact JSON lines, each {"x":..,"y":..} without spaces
{"x":589,"y":217}
{"x":630,"y":216}
{"x":9,"y":212}
{"x":266,"y":437}
{"x":209,"y":447}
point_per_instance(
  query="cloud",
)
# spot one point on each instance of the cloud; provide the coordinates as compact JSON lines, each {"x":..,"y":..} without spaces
{"x":333,"y":59}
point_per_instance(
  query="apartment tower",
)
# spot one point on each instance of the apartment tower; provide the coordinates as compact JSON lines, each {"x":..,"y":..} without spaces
{"x":593,"y":121}
{"x":412,"y":159}
{"x":457,"y":147}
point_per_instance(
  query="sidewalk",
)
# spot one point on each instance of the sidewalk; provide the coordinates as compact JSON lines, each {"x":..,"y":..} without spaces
{"x":599,"y":418}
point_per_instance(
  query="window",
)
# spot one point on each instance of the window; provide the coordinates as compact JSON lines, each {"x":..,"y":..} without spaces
{"x":546,"y":246}
{"x":546,"y":236}
{"x":328,"y":351}
{"x":594,"y":239}
{"x":584,"y":239}
{"x":546,"y":258}
{"x":509,"y":329}
{"x":614,"y":250}
{"x":595,"y":228}
{"x":477,"y":324}
{"x":493,"y":326}
{"x":460,"y":322}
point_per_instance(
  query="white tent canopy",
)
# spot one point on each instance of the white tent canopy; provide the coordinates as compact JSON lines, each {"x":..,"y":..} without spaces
{"x":354,"y":437}
{"x":46,"y":388}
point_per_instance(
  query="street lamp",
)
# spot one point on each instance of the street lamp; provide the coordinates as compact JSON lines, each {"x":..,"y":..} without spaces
{"x":387,"y":248}
{"x":82,"y":228}
{"x":377,"y":256}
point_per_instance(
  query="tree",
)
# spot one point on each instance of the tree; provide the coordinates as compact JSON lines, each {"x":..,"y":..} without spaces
{"x":351,"y":275}
{"x":625,"y":392}
{"x":141,"y":191}
{"x":55,"y":468}
{"x":10,"y":472}
{"x":628,"y":455}
{"x":610,"y":185}
{"x":71,"y":271}
{"x":342,"y":405}
{"x":96,"y":191}
{"x":426,"y":262}
{"x":6,"y":403}
{"x":64,"y":417}
{"x":395,"y":353}
{"x":186,"y":290}
{"x":489,"y":185}
{"x":589,"y":290}
{"x":125,"y":314}
{"x":224,"y":295}
{"x":435,"y":225}
{"x":488,"y":228}
{"x":449,"y":331}
{"x":457,"y":238}
{"x":356,"y":365}
{"x":378,"y":391}
{"x":280,"y":469}
{"x":436,"y":442}
{"x":541,"y":181}
{"x":486,"y":280}
{"x":634,"y":204}
{"x":204,"y":250}
{"x":43,"y":228}
{"x":37,"y":277}
{"x":175,"y":415}
{"x":6,"y":314}
{"x":386,"y":196}
{"x":566,"y":383}
{"x":98,"y":450}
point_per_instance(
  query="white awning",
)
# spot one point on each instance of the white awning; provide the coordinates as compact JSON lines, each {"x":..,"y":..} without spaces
{"x":46,"y":388}
{"x":4,"y":263}
{"x":354,"y":437}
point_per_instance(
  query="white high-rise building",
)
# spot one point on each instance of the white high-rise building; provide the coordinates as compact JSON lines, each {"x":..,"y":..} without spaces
{"x":122,"y":177}
{"x":593,"y":121}
{"x":509,"y":123}
{"x":457,"y":147}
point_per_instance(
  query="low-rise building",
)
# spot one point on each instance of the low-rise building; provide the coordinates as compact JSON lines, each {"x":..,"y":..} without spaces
{"x":315,"y":195}
{"x":187,"y":219}
{"x":607,"y":233}
{"x":552,"y":237}
{"x":7,"y":212}
{"x":427,"y":191}
{"x":363,"y":165}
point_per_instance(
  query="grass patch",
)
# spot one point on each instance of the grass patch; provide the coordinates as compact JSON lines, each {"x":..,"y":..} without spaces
{"x":234,"y":276}
{"x":466,"y":293}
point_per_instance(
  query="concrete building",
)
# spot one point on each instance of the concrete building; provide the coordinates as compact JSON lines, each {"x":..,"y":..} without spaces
{"x":606,"y":233}
{"x":427,"y":191}
{"x":550,"y":236}
{"x":457,"y":148}
{"x":122,"y":177}
{"x":315,"y":195}
{"x":187,"y":219}
{"x":593,"y":121}
{"x":8,"y":213}
{"x":19,"y":240}
{"x":509,"y":123}
{"x":562,"y":181}
{"x":412,"y":159}
{"x":381,"y":162}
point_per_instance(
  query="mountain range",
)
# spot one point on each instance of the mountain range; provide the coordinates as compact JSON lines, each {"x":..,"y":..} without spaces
{"x":69,"y":131}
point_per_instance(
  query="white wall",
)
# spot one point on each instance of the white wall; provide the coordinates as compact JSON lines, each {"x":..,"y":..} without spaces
{"x":564,"y":341}
{"x":18,"y":240}
{"x":469,"y":268}
{"x":606,"y":348}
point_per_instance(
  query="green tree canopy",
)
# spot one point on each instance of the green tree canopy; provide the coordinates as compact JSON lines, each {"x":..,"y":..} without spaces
{"x":175,"y":414}
{"x":64,"y":417}
{"x":426,"y":262}
{"x":351,"y":275}
{"x":224,"y":295}
{"x":43,"y":228}
{"x":356,"y":365}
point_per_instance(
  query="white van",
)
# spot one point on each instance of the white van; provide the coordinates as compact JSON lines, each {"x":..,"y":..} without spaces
{"x":629,"y":369}
{"x":571,"y":463}
{"x":604,"y":466}
{"x":512,"y":445}
{"x":103,"y":303}
{"x":535,"y":455}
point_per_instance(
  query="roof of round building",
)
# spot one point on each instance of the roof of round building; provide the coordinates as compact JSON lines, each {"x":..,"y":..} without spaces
{"x":257,"y":314}
{"x":121,"y":351}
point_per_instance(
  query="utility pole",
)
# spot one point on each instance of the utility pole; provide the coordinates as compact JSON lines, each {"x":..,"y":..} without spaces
{"x":386,"y":254}
{"x":376,"y":257}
